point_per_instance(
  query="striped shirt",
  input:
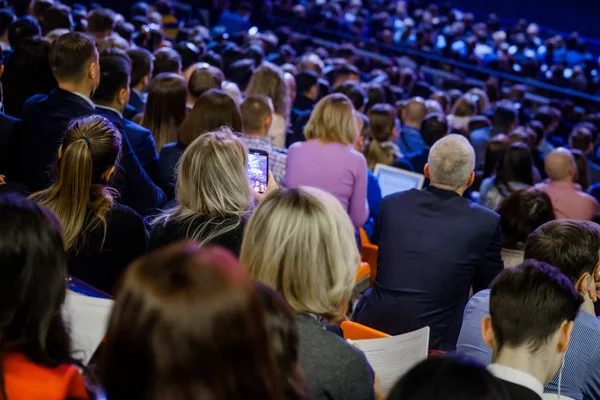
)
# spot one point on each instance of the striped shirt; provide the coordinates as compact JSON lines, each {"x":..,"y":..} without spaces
{"x":581,"y":373}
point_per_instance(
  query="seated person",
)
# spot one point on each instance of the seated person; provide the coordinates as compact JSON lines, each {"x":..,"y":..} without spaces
{"x":380,"y":147}
{"x":37,"y":358}
{"x":433,"y":128}
{"x":257,"y":115}
{"x":313,"y":265}
{"x":213,"y":195}
{"x":532,"y":309}
{"x":573,"y":247}
{"x":428,"y":238}
{"x":409,"y":138}
{"x":101,"y":235}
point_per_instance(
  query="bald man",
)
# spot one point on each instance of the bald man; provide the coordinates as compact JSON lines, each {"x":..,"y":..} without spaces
{"x":409,"y":138}
{"x":568,"y":200}
{"x":434,"y":245}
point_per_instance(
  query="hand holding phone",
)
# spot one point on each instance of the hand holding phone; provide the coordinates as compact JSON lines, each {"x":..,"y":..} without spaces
{"x":258,"y":170}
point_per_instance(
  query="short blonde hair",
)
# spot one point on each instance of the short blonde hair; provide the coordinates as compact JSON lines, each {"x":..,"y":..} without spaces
{"x":333,"y":120}
{"x":301,"y":243}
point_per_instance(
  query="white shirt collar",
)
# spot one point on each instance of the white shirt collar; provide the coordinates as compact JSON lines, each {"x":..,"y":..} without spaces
{"x":86,"y":98}
{"x":111,"y":109}
{"x":517,"y":377}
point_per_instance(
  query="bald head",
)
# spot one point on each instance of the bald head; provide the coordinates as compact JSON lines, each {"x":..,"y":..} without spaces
{"x":451,"y":162}
{"x":560,"y":165}
{"x":414,"y":112}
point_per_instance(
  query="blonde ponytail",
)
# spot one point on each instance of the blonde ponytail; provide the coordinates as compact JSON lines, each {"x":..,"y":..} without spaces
{"x":80,"y":198}
{"x":379,"y":153}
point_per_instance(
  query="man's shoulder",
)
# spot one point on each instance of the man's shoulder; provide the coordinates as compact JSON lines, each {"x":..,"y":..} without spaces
{"x":136,"y":127}
{"x":36,"y":100}
{"x":515,"y":391}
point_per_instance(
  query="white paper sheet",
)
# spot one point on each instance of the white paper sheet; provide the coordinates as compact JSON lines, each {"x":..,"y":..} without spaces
{"x":88,"y":320}
{"x":392,"y":357}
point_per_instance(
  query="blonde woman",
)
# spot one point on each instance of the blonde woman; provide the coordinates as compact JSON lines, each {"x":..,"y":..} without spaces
{"x":268,"y":80}
{"x":212,"y":193}
{"x":301,"y":243}
{"x":328,"y":160}
{"x":101,"y":236}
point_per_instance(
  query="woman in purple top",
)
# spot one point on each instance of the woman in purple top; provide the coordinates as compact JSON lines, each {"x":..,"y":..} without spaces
{"x":328,"y":161}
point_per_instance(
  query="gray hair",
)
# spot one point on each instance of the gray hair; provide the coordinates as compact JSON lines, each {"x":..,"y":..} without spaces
{"x":451,"y":161}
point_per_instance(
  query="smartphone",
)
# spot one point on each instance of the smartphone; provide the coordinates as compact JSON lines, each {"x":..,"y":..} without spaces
{"x":258,"y":169}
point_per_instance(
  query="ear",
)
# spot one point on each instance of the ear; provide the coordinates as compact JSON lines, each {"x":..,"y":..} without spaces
{"x":565,"y":331}
{"x":108,"y":173}
{"x":595,"y":280}
{"x":1,"y":70}
{"x":590,"y":148}
{"x":426,"y":171}
{"x":471,"y":179}
{"x":123,"y":97}
{"x":94,"y":71}
{"x":146,"y":80}
{"x":60,"y":152}
{"x":583,"y":284}
{"x":268,"y":122}
{"x":487,"y":333}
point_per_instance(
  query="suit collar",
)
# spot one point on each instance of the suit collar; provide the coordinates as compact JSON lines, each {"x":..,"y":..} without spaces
{"x":441,"y":192}
{"x":517,"y":377}
{"x":74,"y":97}
{"x":111,"y":110}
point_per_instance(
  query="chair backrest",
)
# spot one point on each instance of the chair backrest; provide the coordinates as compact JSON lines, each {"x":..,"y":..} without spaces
{"x":363,"y":272}
{"x":369,"y":254}
{"x":356,"y":331}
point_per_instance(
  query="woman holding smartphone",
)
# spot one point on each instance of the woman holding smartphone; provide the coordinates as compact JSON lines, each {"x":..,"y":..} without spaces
{"x":213,"y":194}
{"x":328,"y":161}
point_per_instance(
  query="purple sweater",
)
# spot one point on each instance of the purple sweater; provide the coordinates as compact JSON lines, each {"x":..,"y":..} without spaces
{"x":334,"y":168}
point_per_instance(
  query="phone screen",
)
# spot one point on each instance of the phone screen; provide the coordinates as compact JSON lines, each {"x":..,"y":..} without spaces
{"x":258,"y":170}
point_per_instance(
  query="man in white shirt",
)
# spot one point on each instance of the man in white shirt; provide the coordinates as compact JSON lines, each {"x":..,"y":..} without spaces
{"x":532,"y":309}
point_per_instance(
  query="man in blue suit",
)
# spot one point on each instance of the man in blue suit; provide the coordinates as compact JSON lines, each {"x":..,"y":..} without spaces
{"x":141,"y":74}
{"x":434,"y":245}
{"x":112,"y":97}
{"x":74,"y":62}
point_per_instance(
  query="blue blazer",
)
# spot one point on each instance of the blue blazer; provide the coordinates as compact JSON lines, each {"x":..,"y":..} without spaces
{"x":141,"y":140}
{"x":45,"y":119}
{"x":433,"y":246}
{"x":136,"y":105}
{"x":167,"y":167}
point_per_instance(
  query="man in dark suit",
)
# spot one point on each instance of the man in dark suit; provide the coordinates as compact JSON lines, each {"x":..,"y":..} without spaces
{"x":112,"y":96}
{"x":532,"y":313}
{"x":434,"y":245}
{"x":74,"y":62}
{"x":141,"y":74}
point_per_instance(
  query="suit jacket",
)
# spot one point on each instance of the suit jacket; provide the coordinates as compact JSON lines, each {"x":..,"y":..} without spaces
{"x":45,"y":119}
{"x":136,"y":105}
{"x":7,"y":124}
{"x":167,"y":166}
{"x":518,"y":392}
{"x":433,"y":246}
{"x":141,"y":140}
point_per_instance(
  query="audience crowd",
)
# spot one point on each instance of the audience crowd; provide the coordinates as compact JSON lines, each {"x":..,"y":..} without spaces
{"x":124,"y":149}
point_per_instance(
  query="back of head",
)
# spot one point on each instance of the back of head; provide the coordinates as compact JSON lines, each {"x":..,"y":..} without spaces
{"x":32,"y":289}
{"x":571,"y":246}
{"x":284,"y":340}
{"x":504,"y":119}
{"x":305,"y":81}
{"x":521,"y":213}
{"x":548,"y":116}
{"x":451,"y":162}
{"x":189,"y":53}
{"x":560,"y":165}
{"x":211,"y":179}
{"x":240,"y":72}
{"x":115,"y":67}
{"x":23,"y":28}
{"x":203,"y":79}
{"x":333,"y":121}
{"x":7,"y":17}
{"x":165,"y":108}
{"x":354,"y":92}
{"x":71,"y":56}
{"x":89,"y":152}
{"x":313,"y":257}
{"x":167,"y":60}
{"x":22,"y":7}
{"x":581,"y":139}
{"x":448,"y":378}
{"x":101,"y":22}
{"x":528,"y":305}
{"x":213,"y":110}
{"x":177,"y":312}
{"x":464,"y":107}
{"x":56,"y":17}
{"x":268,"y":80}
{"x":255,"y":111}
{"x":414,"y":111}
{"x":515,"y":165}
{"x":142,"y":62}
{"x":382,"y":124}
{"x":433,"y":128}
